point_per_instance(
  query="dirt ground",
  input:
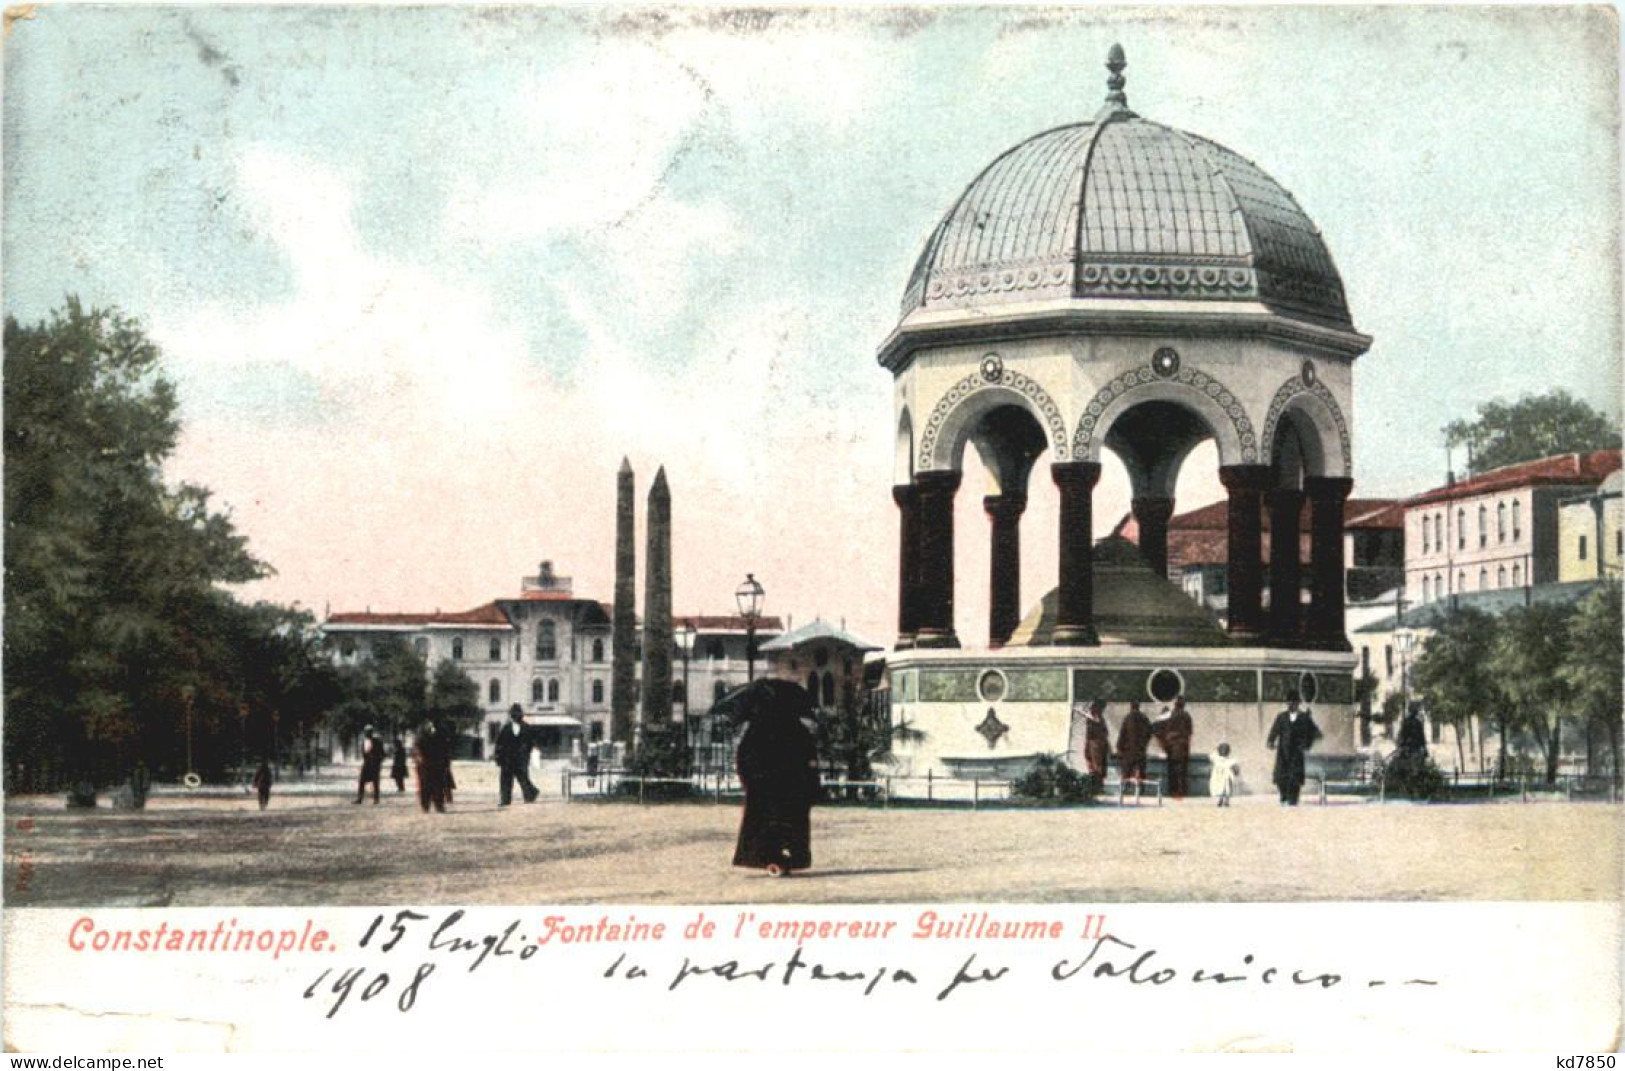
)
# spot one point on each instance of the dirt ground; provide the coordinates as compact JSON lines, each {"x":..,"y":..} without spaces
{"x":318,"y":848}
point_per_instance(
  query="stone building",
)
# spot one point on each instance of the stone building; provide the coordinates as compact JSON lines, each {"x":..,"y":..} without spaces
{"x":1589,"y":534}
{"x":1498,"y":529}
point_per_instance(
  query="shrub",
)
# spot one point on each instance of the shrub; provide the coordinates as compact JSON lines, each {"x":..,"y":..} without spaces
{"x":1411,"y":775}
{"x":1052,"y":779}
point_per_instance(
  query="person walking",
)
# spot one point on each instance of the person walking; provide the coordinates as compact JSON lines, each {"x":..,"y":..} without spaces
{"x":397,"y":768}
{"x":778,"y":767}
{"x":372,"y":765}
{"x":262,"y":784}
{"x":1221,"y":781}
{"x":513,"y":757}
{"x":1132,"y":739}
{"x":1174,"y":733}
{"x":430,"y":757}
{"x":1291,"y":736}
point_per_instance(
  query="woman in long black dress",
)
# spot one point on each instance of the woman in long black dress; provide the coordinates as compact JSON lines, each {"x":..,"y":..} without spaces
{"x":778,"y":766}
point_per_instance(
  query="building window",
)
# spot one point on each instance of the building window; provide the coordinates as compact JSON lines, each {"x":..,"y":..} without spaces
{"x":1483,"y":579}
{"x":713,"y":649}
{"x":553,"y":690}
{"x":1461,"y":529}
{"x":1427,"y":533}
{"x":812,"y":687}
{"x":547,"y":644}
{"x":1619,"y":542}
{"x":597,"y":650}
{"x":1388,"y":659}
{"x":421,"y":646}
{"x":496,"y":650}
{"x":1582,"y":548}
{"x":1517,"y":520}
{"x":1461,"y":581}
{"x":1434,"y":726}
{"x":1483,"y":526}
{"x":347,"y":647}
{"x":1427,"y":588}
{"x":495,"y":691}
{"x":1501,"y":522}
{"x":1501,"y":577}
{"x":1517,"y":575}
{"x":597,"y":732}
{"x":597,"y":691}
{"x":457,"y":648}
{"x":829,"y":688}
{"x":537,"y":690}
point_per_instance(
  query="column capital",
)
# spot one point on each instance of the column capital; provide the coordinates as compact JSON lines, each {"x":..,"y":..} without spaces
{"x":904,"y":494}
{"x":938,"y":481}
{"x":1246,"y":477}
{"x":1322,"y":488}
{"x":1082,"y":475}
{"x":1152,"y":506}
{"x":1008,"y":506}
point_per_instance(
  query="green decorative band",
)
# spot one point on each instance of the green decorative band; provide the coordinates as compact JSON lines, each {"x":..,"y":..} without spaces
{"x":906,"y":686}
{"x":1110,"y":685}
{"x":948,"y":685}
{"x":1328,"y":688}
{"x":1036,"y":686}
{"x":1221,"y":685}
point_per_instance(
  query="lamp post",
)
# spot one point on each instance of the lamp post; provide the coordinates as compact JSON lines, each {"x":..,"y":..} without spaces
{"x":1405,"y":640}
{"x":749,"y":596}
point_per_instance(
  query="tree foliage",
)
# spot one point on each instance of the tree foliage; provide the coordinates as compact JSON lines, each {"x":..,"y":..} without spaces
{"x":120,"y":643}
{"x":1535,"y":426}
{"x":1594,"y":669}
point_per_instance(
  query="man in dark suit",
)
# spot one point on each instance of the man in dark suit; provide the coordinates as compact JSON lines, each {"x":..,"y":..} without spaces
{"x":1292,"y":735}
{"x":1174,"y":732}
{"x":513,"y":757}
{"x":372,"y":764}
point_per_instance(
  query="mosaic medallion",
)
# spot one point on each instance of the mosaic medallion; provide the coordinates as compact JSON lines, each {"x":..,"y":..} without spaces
{"x":992,"y":728}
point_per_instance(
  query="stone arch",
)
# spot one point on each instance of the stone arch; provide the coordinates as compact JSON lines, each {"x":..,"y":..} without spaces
{"x":903,"y":457}
{"x":1307,"y":397}
{"x":985,"y":389}
{"x":1197,"y":391}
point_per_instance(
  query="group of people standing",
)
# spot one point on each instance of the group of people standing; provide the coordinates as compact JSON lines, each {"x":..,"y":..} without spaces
{"x":1291,"y":736}
{"x":1173,"y":732}
{"x":431,"y":761}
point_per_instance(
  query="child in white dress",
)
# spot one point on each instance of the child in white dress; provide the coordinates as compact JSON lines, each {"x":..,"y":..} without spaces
{"x":1226,"y":771}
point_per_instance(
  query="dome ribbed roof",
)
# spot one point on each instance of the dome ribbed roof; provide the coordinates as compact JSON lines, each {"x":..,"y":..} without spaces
{"x":1121,"y":207}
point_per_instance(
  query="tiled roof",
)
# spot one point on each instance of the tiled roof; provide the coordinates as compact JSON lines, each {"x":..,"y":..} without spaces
{"x":489,"y":614}
{"x":727,"y":623}
{"x":1429,"y":615}
{"x":1562,"y":469}
{"x":819,"y":629}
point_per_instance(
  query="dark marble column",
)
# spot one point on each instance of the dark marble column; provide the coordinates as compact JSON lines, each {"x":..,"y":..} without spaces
{"x":624,"y":628}
{"x":1151,"y":516}
{"x":1286,"y":575}
{"x":908,"y":563}
{"x":657,"y":623}
{"x":1327,"y":494}
{"x":1246,"y":484}
{"x":1075,"y":598}
{"x":1004,"y":580}
{"x":935,"y":579}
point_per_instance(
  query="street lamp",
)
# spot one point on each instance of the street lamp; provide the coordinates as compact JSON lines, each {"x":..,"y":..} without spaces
{"x":749,"y":596}
{"x":1405,"y":640}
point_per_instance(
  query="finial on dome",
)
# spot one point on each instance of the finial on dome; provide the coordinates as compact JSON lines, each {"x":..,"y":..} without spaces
{"x":1116,"y":100}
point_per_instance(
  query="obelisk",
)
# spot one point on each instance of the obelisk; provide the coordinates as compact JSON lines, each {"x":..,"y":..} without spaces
{"x":657,"y":629}
{"x":623,"y":671}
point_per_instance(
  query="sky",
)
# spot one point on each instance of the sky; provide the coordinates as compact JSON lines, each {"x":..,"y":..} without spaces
{"x":423,"y":276}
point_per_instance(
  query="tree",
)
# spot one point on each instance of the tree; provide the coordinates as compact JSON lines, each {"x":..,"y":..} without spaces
{"x":1456,"y":677}
{"x":1593,"y":666}
{"x":386,"y":689}
{"x":113,"y":636}
{"x":454,"y":698}
{"x":1530,"y":650}
{"x":1535,"y":426}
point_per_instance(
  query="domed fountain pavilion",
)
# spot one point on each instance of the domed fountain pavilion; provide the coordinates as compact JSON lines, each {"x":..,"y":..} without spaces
{"x":1121,"y":285}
